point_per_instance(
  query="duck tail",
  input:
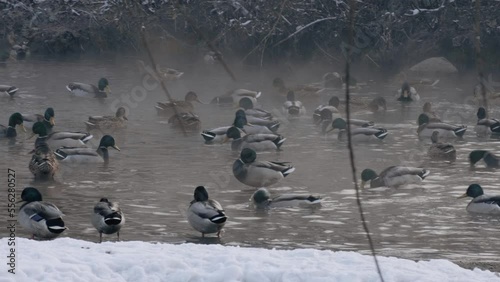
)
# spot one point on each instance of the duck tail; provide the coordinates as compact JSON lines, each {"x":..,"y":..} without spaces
{"x":381,"y":134}
{"x":287,"y":171}
{"x":314,"y":199}
{"x":86,"y":138}
{"x":219,"y":219}
{"x":279,"y":141}
{"x":208,"y":136}
{"x":69,"y":87}
{"x":55,"y":225}
{"x":60,"y":155}
{"x":495,"y":128}
{"x":274,"y":126}
{"x":459,"y":132}
{"x":12,"y":91}
{"x":293,"y":110}
{"x":113,"y":219}
{"x":424,"y":173}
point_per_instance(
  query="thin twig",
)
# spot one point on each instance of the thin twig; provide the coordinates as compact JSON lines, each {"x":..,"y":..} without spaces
{"x":303,"y":28}
{"x":349,"y":139}
{"x":326,"y":53}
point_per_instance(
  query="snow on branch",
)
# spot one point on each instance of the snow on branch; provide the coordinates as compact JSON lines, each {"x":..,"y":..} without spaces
{"x":301,"y":28}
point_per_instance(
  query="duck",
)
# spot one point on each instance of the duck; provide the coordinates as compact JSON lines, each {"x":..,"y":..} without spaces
{"x":87,"y":155}
{"x":42,"y":219}
{"x":329,"y":81}
{"x":362,"y":130}
{"x":378,"y":104}
{"x":259,"y":173}
{"x":56,"y":140}
{"x":186,"y":106}
{"x":233,"y":97}
{"x":490,"y":159}
{"x":326,"y":112}
{"x":43,"y":164}
{"x":257,"y":142}
{"x":48,"y":119}
{"x":79,"y":89}
{"x":393,"y":176}
{"x":107,"y":218}
{"x":108,"y":123}
{"x":188,"y":121}
{"x":441,"y":151}
{"x":485,"y":126}
{"x":166,"y":74}
{"x":206,"y":215}
{"x":292,"y":108}
{"x":247,"y":105}
{"x":8,"y":90}
{"x":480,"y":202}
{"x":16,"y":119}
{"x":427,"y":110}
{"x":241,"y":122}
{"x":272,"y":125}
{"x":214,"y":135}
{"x":261,"y":199}
{"x":407,"y":93}
{"x":446,"y":130}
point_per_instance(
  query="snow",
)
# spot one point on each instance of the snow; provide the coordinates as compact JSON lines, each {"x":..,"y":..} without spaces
{"x":67,"y":259}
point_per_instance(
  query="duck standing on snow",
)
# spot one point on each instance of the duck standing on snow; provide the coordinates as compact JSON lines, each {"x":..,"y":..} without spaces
{"x":446,"y":130}
{"x":481,"y":203}
{"x":16,"y":119}
{"x":259,"y":173}
{"x":107,"y":218}
{"x":393,"y":176}
{"x":57,"y":140}
{"x":8,"y":90}
{"x":87,"y":155}
{"x":167,"y":108}
{"x":407,"y":93}
{"x":108,"y":123}
{"x":441,"y":151}
{"x":261,"y":199}
{"x":490,"y":159}
{"x":293,"y":108}
{"x":42,"y":219}
{"x":88,"y":90}
{"x":206,"y":215}
{"x":48,"y":119}
{"x":485,"y":126}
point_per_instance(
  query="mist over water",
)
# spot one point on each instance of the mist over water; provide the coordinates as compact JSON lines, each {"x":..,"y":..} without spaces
{"x":157,"y":169}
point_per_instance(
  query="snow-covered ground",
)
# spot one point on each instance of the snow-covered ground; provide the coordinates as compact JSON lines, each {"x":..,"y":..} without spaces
{"x":68,"y":259}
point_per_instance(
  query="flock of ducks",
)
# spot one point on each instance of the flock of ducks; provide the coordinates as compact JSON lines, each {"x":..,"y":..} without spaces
{"x":253,"y":130}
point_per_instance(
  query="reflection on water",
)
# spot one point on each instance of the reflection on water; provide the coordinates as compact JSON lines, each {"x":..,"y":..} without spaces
{"x":157,"y":169}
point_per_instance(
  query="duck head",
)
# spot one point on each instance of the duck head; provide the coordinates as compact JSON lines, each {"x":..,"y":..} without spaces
{"x":246,"y":103}
{"x":103,"y":85}
{"x":334,"y":101}
{"x":423,"y":119}
{"x":49,"y":116}
{"x":31,"y":194}
{"x":427,"y":108}
{"x":191,"y":96}
{"x":107,"y":141}
{"x":39,"y":128}
{"x":367,"y":175}
{"x":481,"y":113}
{"x":200,"y":194}
{"x":474,"y":190}
{"x":16,"y":119}
{"x":121,"y":113}
{"x":261,"y":198}
{"x":476,"y":156}
{"x":248,"y":155}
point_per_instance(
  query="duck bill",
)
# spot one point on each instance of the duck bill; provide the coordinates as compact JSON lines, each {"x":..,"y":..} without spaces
{"x":225,"y":140}
{"x":362,"y":185}
{"x":22,"y":127}
{"x":108,"y":90}
{"x":463,"y":196}
{"x":115,"y":147}
{"x":201,"y":102}
{"x":52,"y":121}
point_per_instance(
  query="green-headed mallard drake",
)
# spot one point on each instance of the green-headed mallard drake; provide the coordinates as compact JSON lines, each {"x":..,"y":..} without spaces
{"x":108,"y":123}
{"x":48,"y":119}
{"x":234,"y":96}
{"x":87,"y":155}
{"x":215,"y":135}
{"x":490,"y":159}
{"x":42,"y":219}
{"x":166,"y":74}
{"x":16,"y":119}
{"x":259,"y":173}
{"x":8,"y":90}
{"x":272,"y":125}
{"x":363,"y":132}
{"x":427,"y":110}
{"x":407,"y":93}
{"x":248,"y":106}
{"x":481,"y":203}
{"x":326,"y":112}
{"x":43,"y":163}
{"x":205,"y":215}
{"x":186,"y":106}
{"x":446,"y":130}
{"x":486,"y":126}
{"x":256,"y":142}
{"x":188,"y":121}
{"x":60,"y":139}
{"x":88,"y":90}
{"x":393,"y":176}
{"x":441,"y":151}
{"x":292,"y":108}
{"x":107,"y":218}
{"x":261,"y":199}
{"x":241,"y":122}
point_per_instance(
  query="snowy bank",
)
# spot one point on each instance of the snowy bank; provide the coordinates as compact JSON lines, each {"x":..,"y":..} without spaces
{"x":68,"y":259}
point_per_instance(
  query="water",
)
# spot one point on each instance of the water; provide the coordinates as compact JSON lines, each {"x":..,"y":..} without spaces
{"x":154,"y":175}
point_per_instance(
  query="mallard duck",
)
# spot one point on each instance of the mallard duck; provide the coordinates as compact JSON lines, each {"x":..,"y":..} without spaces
{"x":441,"y":151}
{"x":259,"y":173}
{"x":247,"y":105}
{"x":188,"y":121}
{"x":48,"y":119}
{"x":377,"y":104}
{"x":108,"y":123}
{"x":107,"y":218}
{"x":256,"y":142}
{"x":481,"y":203}
{"x":326,"y":112}
{"x":293,"y":108}
{"x":490,"y":159}
{"x":60,"y":139}
{"x":186,"y":106}
{"x":205,"y":215}
{"x":43,"y":163}
{"x":485,"y":126}
{"x":312,"y":90}
{"x":233,"y":97}
{"x":8,"y":90}
{"x":446,"y":130}
{"x":215,"y":135}
{"x":88,"y":155}
{"x":42,"y":219}
{"x":166,"y":74}
{"x":87,"y":90}
{"x":261,"y":199}
{"x":364,"y":133}
{"x":272,"y":125}
{"x":16,"y":119}
{"x":393,"y":176}
{"x":241,"y":122}
{"x":427,"y":110}
{"x":407,"y":93}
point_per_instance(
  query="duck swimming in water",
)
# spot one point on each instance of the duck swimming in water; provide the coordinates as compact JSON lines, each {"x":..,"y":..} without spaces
{"x":393,"y":176}
{"x":88,"y":90}
{"x":480,"y":202}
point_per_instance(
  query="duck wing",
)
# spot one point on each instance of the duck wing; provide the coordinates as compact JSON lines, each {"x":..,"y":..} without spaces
{"x":493,"y":200}
{"x":42,"y":210}
{"x":282,"y":167}
{"x":394,"y":171}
